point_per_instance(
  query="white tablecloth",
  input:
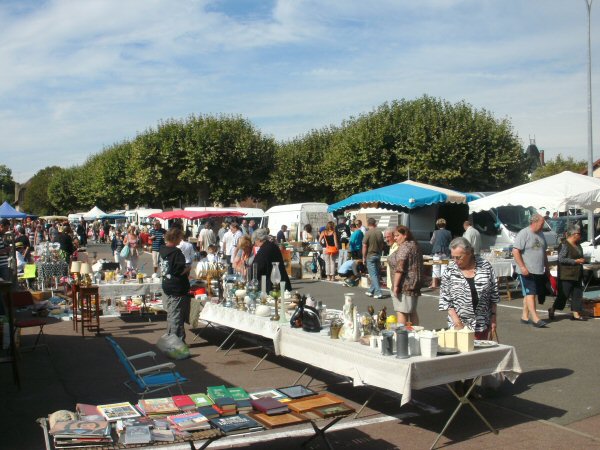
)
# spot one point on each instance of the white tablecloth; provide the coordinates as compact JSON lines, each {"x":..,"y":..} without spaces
{"x":116,"y":290}
{"x":243,"y":321}
{"x":367,"y":367}
{"x":502,"y":267}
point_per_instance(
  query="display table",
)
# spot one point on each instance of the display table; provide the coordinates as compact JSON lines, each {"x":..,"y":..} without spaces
{"x":365,"y":366}
{"x":116,"y":290}
{"x":241,"y":321}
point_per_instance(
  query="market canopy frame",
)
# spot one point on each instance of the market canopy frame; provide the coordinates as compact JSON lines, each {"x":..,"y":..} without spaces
{"x":194,"y":215}
{"x":404,"y":197}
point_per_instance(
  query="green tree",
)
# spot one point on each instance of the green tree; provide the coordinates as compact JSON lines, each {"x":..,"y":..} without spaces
{"x":37,"y":199}
{"x":7,"y":184}
{"x":558,"y":165}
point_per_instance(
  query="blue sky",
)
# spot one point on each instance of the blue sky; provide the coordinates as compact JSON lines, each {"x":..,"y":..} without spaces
{"x":77,"y":76}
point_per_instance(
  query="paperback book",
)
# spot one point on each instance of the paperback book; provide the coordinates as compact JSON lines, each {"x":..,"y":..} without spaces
{"x":269,"y":393}
{"x":184,"y":402}
{"x":215,"y":392}
{"x":201,"y":400}
{"x":158,"y":406}
{"x":238,"y":393}
{"x":237,"y":424}
{"x":116,"y":411}
{"x":190,"y":421}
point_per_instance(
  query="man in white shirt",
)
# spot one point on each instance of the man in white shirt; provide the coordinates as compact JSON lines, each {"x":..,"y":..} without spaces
{"x":188,"y":251}
{"x":473,"y":236}
{"x":206,"y":237}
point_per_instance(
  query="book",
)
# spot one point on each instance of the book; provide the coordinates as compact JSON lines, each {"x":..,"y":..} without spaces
{"x":158,"y":406}
{"x":279,"y":420}
{"x":122,"y":424}
{"x":327,"y":412}
{"x":224,"y":412}
{"x":226,"y":403}
{"x":162,"y":435}
{"x":81,"y":429}
{"x":269,"y":406}
{"x":237,"y":424}
{"x":215,"y":392}
{"x":208,"y":411}
{"x":201,"y":399}
{"x":84,"y":410}
{"x":189,"y":421}
{"x":116,"y":411}
{"x":243,"y":406}
{"x":306,"y":404}
{"x":184,"y":402}
{"x":272,"y":393}
{"x":137,"y":435}
{"x":296,"y":391}
{"x":238,"y":393}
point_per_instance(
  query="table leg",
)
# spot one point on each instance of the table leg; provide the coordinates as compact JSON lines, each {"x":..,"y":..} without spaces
{"x":320,"y":432}
{"x":226,"y":339}
{"x":232,"y":345}
{"x":197,"y":335}
{"x":364,"y":405}
{"x":464,"y":400}
{"x":262,"y":359}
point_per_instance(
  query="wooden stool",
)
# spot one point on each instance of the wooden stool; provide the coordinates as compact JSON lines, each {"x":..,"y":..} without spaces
{"x":89,"y":309}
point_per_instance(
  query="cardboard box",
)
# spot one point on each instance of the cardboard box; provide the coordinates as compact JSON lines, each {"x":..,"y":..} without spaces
{"x":39,"y":296}
{"x":592,"y":307}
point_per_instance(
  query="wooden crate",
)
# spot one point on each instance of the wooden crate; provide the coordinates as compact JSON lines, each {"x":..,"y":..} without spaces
{"x":592,"y":307}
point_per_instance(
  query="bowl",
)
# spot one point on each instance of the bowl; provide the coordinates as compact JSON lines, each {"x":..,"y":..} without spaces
{"x":263,"y":311}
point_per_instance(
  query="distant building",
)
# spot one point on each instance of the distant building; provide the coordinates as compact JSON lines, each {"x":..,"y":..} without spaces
{"x":535,"y":157}
{"x":595,"y":168}
{"x":20,"y":190}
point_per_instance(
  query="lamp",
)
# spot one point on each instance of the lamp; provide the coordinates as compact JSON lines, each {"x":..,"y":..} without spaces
{"x":76,"y":270}
{"x":86,"y":271}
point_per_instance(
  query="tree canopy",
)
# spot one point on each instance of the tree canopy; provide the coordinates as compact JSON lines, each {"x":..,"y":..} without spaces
{"x":558,"y":165}
{"x":223,"y":159}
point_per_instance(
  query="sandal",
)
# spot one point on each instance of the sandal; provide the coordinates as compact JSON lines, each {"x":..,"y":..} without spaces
{"x":539,"y":324}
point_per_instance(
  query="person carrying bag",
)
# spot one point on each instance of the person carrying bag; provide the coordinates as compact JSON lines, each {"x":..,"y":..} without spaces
{"x":330,"y":251}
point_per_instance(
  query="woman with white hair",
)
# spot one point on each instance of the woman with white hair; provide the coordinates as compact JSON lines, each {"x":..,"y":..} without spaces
{"x":570,"y":275}
{"x":469,"y":291}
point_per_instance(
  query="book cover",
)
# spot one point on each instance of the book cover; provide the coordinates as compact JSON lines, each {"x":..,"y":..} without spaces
{"x":162,"y":435}
{"x":238,"y":393}
{"x":225,"y":403}
{"x":189,"y":421}
{"x":85,"y":410}
{"x":271,"y":393}
{"x":296,"y":391}
{"x":215,"y":392}
{"x":224,"y":412}
{"x":239,"y":423}
{"x":137,"y":435}
{"x":201,"y":399}
{"x":184,"y":402}
{"x":269,"y":406}
{"x":116,"y":411}
{"x":208,"y":411}
{"x":133,"y":422}
{"x":81,"y":428}
{"x":164,"y":405}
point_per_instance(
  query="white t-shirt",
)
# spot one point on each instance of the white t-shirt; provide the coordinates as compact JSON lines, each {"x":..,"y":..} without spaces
{"x":188,"y":251}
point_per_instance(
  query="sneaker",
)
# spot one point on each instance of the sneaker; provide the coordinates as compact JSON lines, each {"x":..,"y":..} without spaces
{"x":378,"y":296}
{"x":369,"y":294}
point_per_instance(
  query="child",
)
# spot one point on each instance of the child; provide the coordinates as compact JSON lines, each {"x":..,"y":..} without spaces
{"x":211,"y":255}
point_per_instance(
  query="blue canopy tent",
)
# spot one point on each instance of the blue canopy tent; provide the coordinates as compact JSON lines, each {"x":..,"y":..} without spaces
{"x":403,"y":197}
{"x":8,"y":212}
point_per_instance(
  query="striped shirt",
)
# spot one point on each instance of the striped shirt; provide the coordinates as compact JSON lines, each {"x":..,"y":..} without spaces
{"x":158,"y":238}
{"x":455,"y":293}
{"x":3,"y":258}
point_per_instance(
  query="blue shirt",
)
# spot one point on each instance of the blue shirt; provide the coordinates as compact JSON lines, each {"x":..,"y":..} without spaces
{"x":158,"y":238}
{"x":356,"y":239}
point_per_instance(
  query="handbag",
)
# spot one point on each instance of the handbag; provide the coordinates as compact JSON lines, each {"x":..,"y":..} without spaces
{"x":331,"y":250}
{"x":551,"y":286}
{"x":125,"y":252}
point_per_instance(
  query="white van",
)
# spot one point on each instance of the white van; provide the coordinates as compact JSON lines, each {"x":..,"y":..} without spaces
{"x":499,"y":226}
{"x":75,"y":218}
{"x":255,"y":214}
{"x":296,"y":216}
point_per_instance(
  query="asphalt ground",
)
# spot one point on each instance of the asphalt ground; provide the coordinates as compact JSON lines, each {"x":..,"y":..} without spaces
{"x":553,"y":404}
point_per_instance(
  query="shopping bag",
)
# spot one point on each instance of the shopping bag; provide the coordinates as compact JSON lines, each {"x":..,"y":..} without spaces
{"x":551,"y":286}
{"x":493,"y":381}
{"x":173,"y":347}
{"x":125,"y":252}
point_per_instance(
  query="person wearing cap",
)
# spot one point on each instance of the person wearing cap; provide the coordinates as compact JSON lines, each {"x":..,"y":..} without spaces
{"x":20,"y":254}
{"x":268,"y":253}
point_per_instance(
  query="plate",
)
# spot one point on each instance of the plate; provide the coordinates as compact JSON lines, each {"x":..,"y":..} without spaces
{"x":447,"y":351}
{"x":484,"y":344}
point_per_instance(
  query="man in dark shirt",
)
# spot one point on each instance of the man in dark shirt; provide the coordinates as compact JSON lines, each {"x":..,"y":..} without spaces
{"x":157,"y":238}
{"x":281,"y":234}
{"x":175,"y":282}
{"x":343,"y":231}
{"x":372,"y":249}
{"x":267,"y":254}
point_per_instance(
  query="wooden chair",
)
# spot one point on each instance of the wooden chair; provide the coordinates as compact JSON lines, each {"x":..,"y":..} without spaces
{"x":149,"y":379}
{"x":24,"y":299}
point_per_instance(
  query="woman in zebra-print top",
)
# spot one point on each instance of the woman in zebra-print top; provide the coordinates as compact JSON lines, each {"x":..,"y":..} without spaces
{"x":469,"y":291}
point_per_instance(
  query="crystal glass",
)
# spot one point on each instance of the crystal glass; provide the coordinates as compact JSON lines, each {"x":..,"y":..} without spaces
{"x":275,"y":275}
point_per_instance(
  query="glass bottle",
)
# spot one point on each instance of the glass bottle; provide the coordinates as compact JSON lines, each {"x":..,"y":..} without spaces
{"x":275,"y":275}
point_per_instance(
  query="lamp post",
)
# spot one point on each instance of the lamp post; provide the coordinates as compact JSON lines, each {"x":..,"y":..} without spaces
{"x":588,"y":4}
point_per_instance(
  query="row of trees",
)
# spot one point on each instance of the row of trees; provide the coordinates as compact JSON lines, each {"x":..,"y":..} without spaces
{"x":224,"y":159}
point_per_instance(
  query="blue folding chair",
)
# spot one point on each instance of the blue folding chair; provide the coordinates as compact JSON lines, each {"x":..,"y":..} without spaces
{"x":149,"y":379}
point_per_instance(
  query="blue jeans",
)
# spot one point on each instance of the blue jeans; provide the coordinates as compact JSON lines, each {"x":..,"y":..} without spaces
{"x":373,"y":265}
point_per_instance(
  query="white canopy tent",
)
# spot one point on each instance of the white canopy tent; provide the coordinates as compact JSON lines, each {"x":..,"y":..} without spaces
{"x":555,"y":193}
{"x":93,"y":214}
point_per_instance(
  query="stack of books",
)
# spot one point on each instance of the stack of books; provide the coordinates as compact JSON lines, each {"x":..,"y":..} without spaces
{"x":224,"y":403}
{"x":269,"y":406}
{"x":241,"y":398}
{"x":189,"y":421}
{"x":157,"y":407}
{"x":184,"y":402}
{"x":81,"y":433}
{"x":239,"y":423}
